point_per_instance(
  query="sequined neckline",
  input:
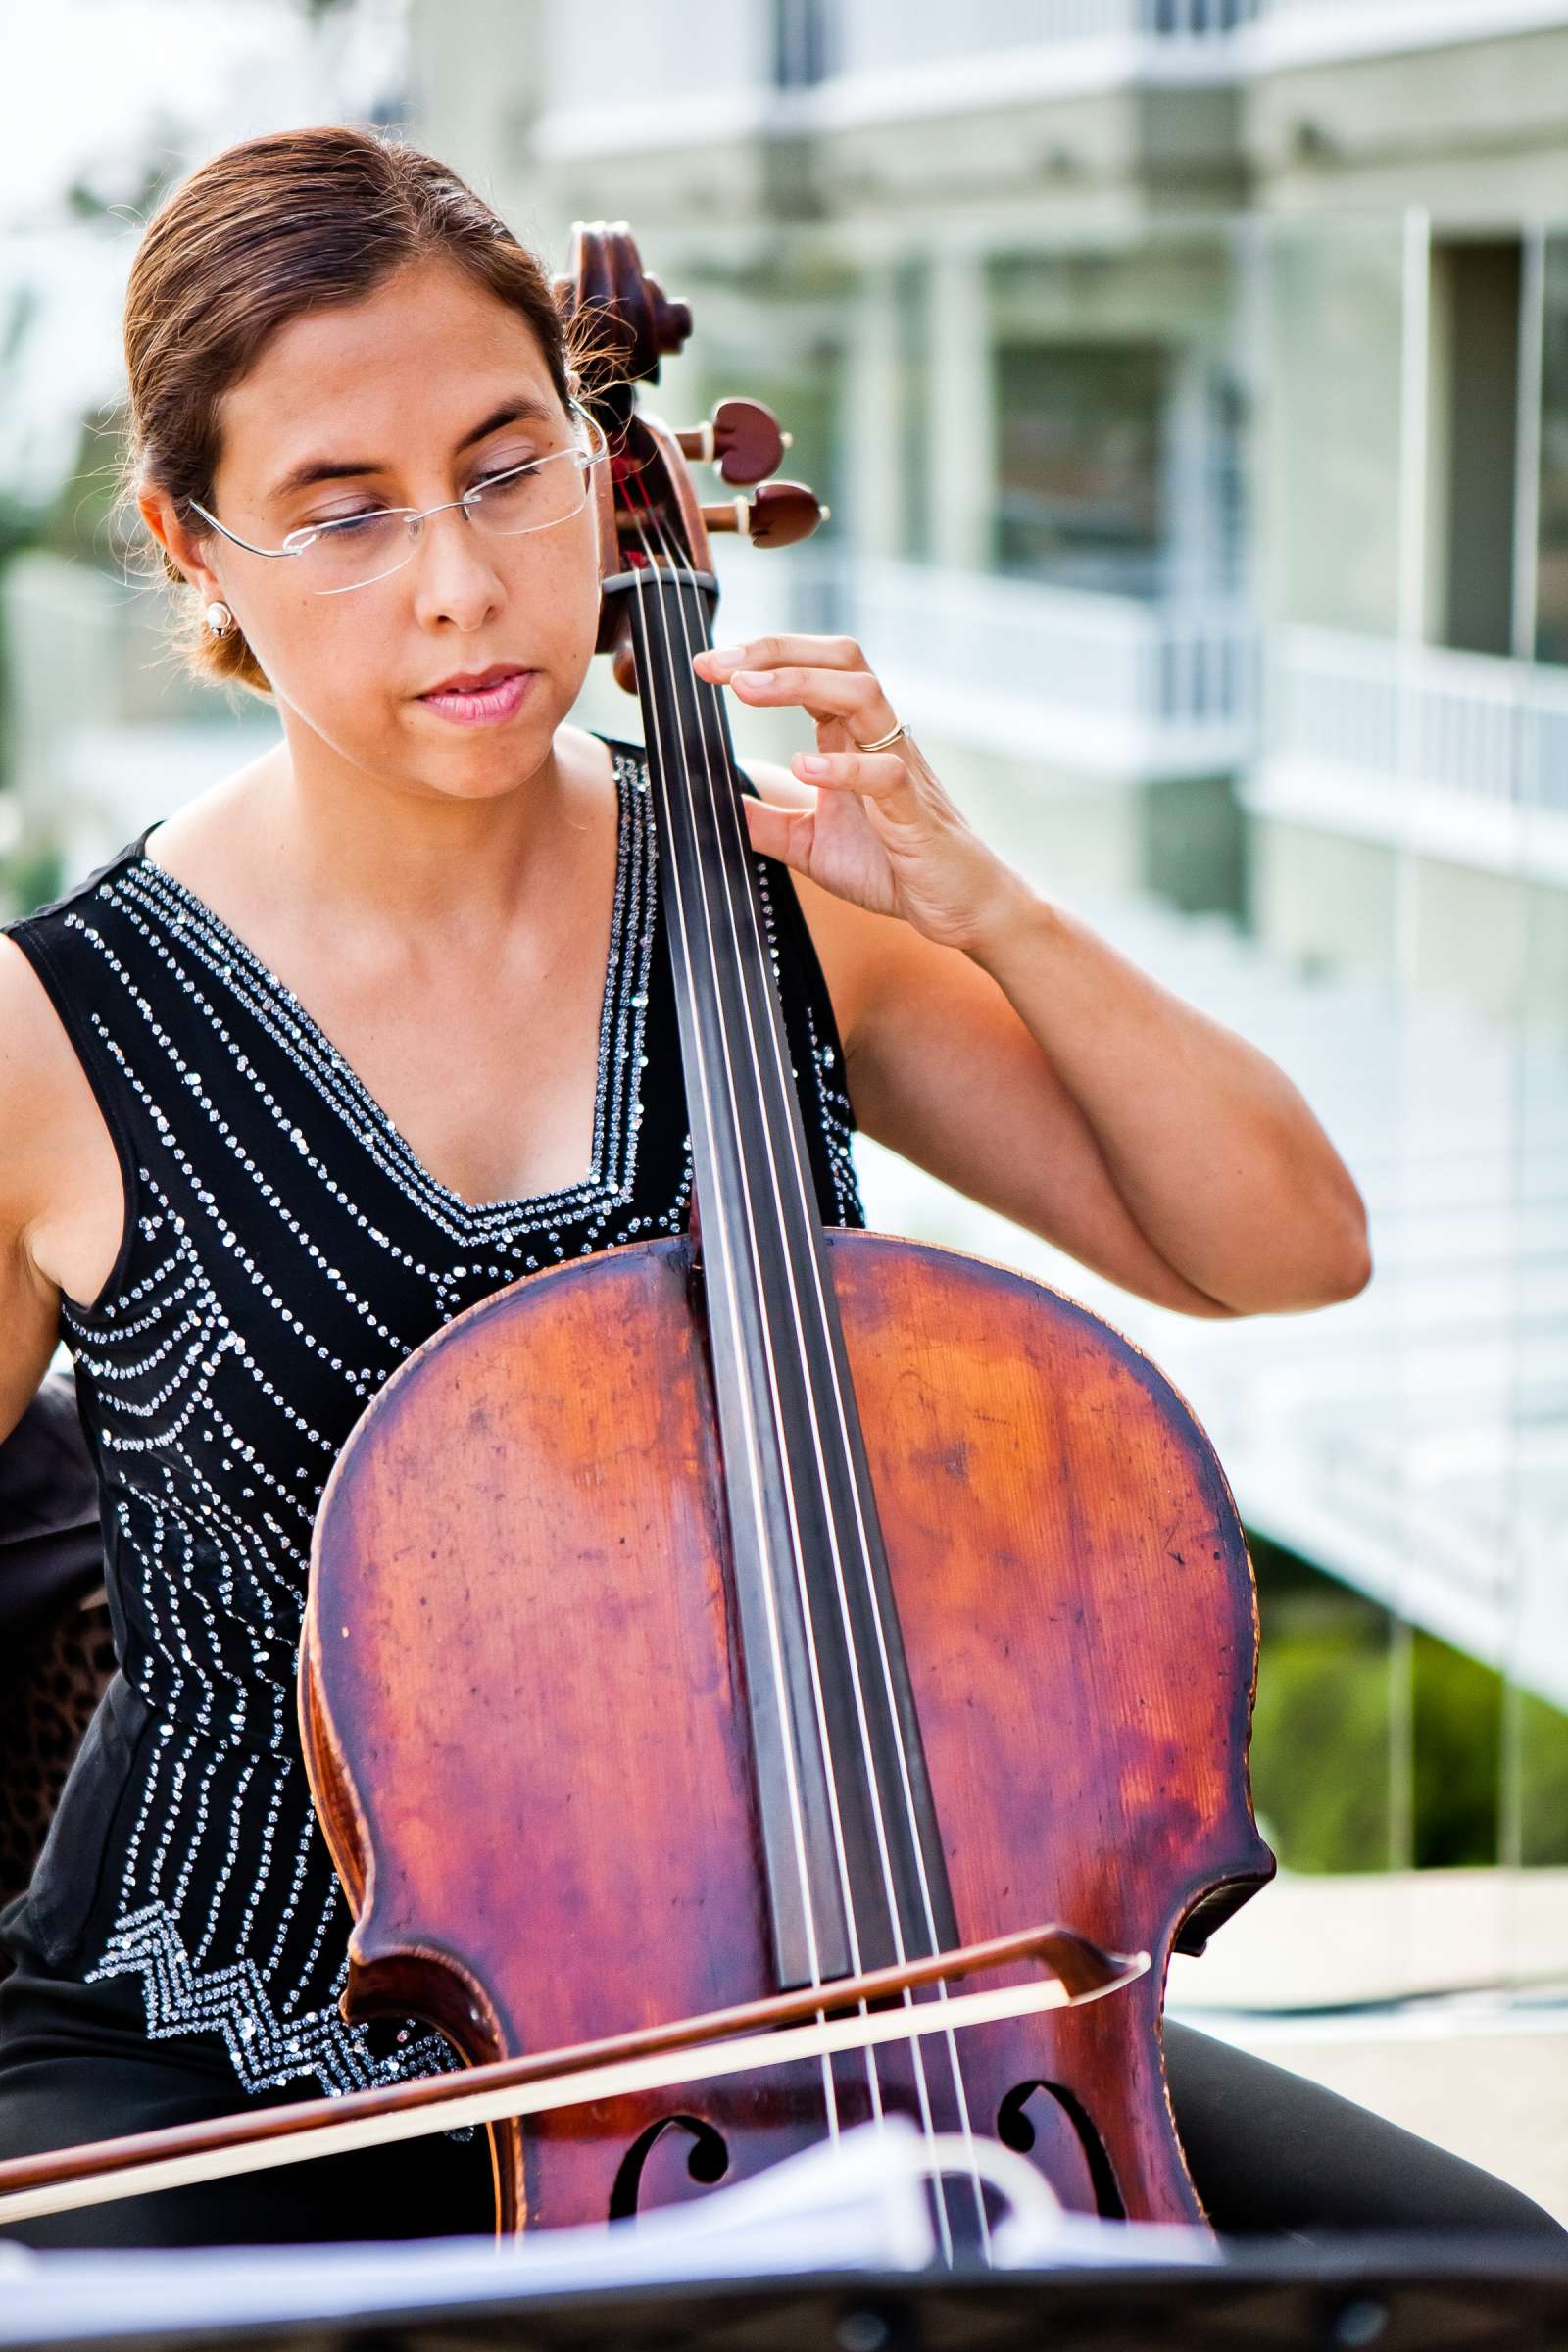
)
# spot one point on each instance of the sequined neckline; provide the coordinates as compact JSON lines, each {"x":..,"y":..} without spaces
{"x":617,"y":962}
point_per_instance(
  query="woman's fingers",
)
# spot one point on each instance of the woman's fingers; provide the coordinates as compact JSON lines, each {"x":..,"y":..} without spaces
{"x":876,"y":774}
{"x":775,"y":652}
{"x":852,"y":696}
{"x":783,"y":833}
{"x":826,"y":676}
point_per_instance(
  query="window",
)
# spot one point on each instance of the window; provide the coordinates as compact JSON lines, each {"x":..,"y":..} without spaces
{"x":802,"y":42}
{"x":1080,"y":462}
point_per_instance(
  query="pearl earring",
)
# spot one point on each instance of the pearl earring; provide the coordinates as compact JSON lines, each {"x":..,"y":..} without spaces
{"x":219,"y":619}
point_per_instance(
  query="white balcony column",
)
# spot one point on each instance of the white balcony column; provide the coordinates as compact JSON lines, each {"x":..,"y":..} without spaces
{"x":873,"y":412}
{"x":961,"y":448}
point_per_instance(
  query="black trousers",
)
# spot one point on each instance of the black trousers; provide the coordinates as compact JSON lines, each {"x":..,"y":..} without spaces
{"x":1270,"y":2153}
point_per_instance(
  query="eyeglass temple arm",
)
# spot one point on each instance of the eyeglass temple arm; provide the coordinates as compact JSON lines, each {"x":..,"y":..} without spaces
{"x":233,"y":537}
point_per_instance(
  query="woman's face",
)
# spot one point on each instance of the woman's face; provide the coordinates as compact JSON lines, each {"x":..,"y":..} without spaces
{"x":406,"y":399}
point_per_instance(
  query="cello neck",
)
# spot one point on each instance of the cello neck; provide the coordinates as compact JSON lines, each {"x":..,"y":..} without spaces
{"x":853,"y":1857}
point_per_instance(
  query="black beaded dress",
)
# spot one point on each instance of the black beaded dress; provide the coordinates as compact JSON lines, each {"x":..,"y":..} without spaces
{"x":284,"y":1249}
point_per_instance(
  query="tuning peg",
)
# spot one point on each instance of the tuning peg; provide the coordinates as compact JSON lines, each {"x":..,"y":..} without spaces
{"x":742,"y":438}
{"x":780,"y":513}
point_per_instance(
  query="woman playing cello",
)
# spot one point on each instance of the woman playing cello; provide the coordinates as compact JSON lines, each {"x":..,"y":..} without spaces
{"x":382,"y":1022}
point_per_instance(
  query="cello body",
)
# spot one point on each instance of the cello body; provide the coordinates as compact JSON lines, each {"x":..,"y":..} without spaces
{"x":523,"y":1622}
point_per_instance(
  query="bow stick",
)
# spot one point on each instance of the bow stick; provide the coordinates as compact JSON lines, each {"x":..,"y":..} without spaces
{"x":724,"y":2041}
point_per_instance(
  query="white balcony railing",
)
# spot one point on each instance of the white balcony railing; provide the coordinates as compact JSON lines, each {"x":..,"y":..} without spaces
{"x":1457,"y":755}
{"x":889,"y":59}
{"x":1105,"y":685}
{"x":883,"y":59}
{"x":875,"y":34}
{"x":1309,"y":32}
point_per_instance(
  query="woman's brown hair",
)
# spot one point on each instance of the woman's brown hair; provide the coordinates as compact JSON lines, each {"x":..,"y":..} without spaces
{"x":268,"y":229}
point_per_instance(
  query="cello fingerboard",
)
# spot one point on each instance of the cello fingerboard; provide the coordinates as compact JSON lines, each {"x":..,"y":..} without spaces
{"x":851,"y":1848}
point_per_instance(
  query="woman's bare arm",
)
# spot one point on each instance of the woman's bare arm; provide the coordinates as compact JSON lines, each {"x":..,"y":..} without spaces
{"x":41,"y":1087}
{"x":1043,"y":1074}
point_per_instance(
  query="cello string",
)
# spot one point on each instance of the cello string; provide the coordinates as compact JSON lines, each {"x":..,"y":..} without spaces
{"x":774,"y":1389}
{"x":690,"y":599}
{"x":727,"y":1252}
{"x":750,"y":1433}
{"x":756,"y":1262}
{"x":767,"y":1335}
{"x":679,"y":571}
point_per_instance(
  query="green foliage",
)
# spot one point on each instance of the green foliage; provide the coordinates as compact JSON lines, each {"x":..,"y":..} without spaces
{"x":1456,"y":1707}
{"x":1323,"y":1731}
{"x":1320,"y":1732}
{"x":30,"y":876}
{"x":1541,"y":1751}
{"x":131,"y":191}
{"x":79,"y":523}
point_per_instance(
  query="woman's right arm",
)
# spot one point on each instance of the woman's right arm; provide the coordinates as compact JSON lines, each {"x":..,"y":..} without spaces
{"x":38,"y":1075}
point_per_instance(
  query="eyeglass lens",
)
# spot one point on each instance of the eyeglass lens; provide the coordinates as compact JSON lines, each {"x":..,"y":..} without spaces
{"x":363,"y":547}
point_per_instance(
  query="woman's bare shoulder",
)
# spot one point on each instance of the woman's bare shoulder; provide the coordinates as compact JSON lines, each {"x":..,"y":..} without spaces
{"x":40,"y":1087}
{"x":35,"y":1055}
{"x":49,"y":1120}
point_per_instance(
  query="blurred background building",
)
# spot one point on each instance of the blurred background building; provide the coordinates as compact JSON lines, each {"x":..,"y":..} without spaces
{"x":1189,"y":379}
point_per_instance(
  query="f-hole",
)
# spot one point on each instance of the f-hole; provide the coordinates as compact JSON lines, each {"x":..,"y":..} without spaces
{"x":707,"y":2159}
{"x":1053,"y":2105}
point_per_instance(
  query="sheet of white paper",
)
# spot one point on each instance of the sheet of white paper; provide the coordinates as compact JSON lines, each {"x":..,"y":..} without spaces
{"x":863,"y":2204}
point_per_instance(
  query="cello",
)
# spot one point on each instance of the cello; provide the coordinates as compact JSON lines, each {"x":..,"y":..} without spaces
{"x":721,"y":1647}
